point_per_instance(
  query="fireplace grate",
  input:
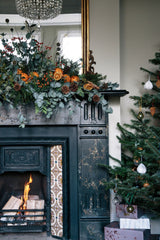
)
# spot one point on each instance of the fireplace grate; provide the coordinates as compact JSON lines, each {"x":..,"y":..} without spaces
{"x":33,"y":220}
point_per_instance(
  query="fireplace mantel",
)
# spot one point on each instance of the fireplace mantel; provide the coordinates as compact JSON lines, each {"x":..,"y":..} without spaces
{"x":83,"y":114}
{"x":86,"y":132}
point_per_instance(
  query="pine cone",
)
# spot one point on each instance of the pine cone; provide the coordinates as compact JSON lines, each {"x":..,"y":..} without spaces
{"x":104,"y":86}
{"x":96,"y":98}
{"x":65,"y":89}
{"x":17,"y":87}
{"x":73,"y":87}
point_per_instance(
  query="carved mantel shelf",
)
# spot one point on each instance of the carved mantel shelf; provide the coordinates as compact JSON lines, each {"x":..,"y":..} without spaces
{"x":114,"y":93}
{"x":9,"y":116}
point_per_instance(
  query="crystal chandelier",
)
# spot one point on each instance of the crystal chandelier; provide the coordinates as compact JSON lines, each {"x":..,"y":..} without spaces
{"x":39,"y":9}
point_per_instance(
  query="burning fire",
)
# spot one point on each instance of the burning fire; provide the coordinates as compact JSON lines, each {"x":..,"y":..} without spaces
{"x":26,"y":192}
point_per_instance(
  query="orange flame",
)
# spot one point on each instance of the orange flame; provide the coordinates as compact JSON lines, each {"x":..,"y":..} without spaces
{"x":26,"y":191}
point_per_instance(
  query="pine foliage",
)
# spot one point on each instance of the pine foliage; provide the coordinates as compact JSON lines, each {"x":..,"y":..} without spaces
{"x":140,"y":141}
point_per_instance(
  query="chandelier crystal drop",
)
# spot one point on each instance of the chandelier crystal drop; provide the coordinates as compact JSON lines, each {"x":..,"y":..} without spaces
{"x":39,"y":9}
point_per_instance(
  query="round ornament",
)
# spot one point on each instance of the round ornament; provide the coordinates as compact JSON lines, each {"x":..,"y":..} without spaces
{"x":148,"y":85}
{"x":146,"y":184}
{"x":152,"y":110}
{"x":141,"y":168}
{"x":139,"y":148}
{"x":158,"y":83}
{"x":130,"y":209}
{"x":136,"y":160}
{"x":140,"y":116}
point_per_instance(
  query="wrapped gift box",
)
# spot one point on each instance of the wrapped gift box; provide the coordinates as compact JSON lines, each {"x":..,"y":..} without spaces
{"x":155,"y":226}
{"x":122,"y":211}
{"x":140,"y":223}
{"x":112,"y":231}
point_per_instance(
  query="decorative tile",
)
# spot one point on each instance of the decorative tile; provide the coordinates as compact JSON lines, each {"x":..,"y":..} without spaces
{"x":56,"y":191}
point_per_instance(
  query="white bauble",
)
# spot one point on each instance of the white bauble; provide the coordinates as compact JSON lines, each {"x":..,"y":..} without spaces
{"x":141,"y":168}
{"x":148,"y":85}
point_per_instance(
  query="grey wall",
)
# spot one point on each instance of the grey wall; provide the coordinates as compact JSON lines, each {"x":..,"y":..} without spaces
{"x":140,"y":39}
{"x":124,"y":34}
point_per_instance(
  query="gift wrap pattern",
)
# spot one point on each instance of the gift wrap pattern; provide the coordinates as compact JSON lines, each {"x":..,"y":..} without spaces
{"x":113,"y":232}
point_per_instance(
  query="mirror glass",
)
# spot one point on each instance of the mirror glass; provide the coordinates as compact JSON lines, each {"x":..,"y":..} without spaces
{"x":65,"y":28}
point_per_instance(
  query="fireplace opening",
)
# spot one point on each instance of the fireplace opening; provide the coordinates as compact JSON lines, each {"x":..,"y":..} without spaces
{"x":34,"y":188}
{"x":50,"y":155}
{"x":23,"y":201}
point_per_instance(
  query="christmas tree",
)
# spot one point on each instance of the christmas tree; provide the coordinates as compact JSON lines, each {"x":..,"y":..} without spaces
{"x":136,"y":178}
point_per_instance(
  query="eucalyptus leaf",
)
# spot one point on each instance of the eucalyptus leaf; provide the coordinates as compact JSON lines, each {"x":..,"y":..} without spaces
{"x":49,"y":109}
{"x":58,"y":84}
{"x":21,"y":118}
{"x":41,"y":96}
{"x":37,"y":56}
{"x":70,"y":112}
{"x":28,"y":35}
{"x":104,"y":102}
{"x":90,"y":96}
{"x":36,"y":109}
{"x":52,"y":84}
{"x":52,"y":94}
{"x":77,"y":100}
{"x":11,"y":106}
{"x":33,"y":25}
{"x":59,"y":95}
{"x":23,"y":27}
{"x":35,"y":95}
{"x":22,"y":125}
{"x":80,"y":93}
{"x":39,"y":103}
{"x":61,"y":105}
{"x":109,"y":110}
{"x":3,"y":34}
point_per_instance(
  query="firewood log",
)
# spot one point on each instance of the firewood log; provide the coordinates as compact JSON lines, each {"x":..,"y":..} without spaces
{"x":13,"y":204}
{"x":39,"y":204}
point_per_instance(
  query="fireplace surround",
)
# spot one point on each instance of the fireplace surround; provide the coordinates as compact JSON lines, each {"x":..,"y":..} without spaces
{"x":43,"y":140}
{"x":83,"y":139}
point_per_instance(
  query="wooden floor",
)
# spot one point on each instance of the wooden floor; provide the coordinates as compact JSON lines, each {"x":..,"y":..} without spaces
{"x":25,"y":236}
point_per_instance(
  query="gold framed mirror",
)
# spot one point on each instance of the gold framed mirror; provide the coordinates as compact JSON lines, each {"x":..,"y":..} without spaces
{"x":85,"y":34}
{"x":8,"y":11}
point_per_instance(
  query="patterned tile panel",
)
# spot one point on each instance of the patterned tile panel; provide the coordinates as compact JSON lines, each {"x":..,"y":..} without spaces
{"x":56,"y":191}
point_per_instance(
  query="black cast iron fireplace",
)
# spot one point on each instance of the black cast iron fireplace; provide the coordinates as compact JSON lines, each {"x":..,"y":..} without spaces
{"x":84,"y":141}
{"x":25,"y":152}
